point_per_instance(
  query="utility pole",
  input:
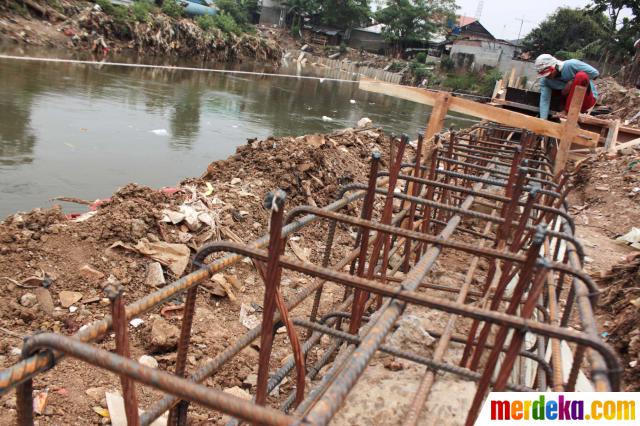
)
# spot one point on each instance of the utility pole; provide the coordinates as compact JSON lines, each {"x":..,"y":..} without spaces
{"x":479,"y":9}
{"x":522,"y":21}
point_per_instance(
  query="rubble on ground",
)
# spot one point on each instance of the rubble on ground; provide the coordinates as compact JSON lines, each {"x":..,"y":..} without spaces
{"x":623,"y":101}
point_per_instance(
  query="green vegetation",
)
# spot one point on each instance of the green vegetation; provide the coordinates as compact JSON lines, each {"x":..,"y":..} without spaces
{"x":142,"y":10}
{"x":481,"y":83}
{"x":421,"y":57}
{"x":447,"y":64}
{"x":599,"y":32}
{"x":172,"y":8}
{"x":414,"y":20}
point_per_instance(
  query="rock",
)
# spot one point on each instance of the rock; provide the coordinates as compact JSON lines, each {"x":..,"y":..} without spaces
{"x":68,"y":298}
{"x":96,"y":394}
{"x":392,"y":364}
{"x":628,"y":151}
{"x":149,"y":361}
{"x":90,"y":273}
{"x":28,"y":300}
{"x":304,"y":48}
{"x":251,"y":380}
{"x":364,"y":122}
{"x":411,"y":335}
{"x":45,"y":301}
{"x":155,"y":276}
{"x":236,"y":181}
{"x":239,"y":392}
{"x":164,"y":336}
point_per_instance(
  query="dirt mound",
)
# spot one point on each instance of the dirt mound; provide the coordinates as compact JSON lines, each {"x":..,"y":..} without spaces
{"x":129,"y":215}
{"x":621,"y":288}
{"x":309,"y":168}
{"x":624,"y":101}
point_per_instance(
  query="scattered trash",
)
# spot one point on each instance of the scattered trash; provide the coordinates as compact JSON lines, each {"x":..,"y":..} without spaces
{"x":248,"y":317}
{"x":73,"y":309}
{"x":102,"y":412}
{"x":160,"y":132}
{"x":325,"y":118}
{"x":364,"y":122}
{"x":352,"y":101}
{"x":604,"y":334}
{"x":136,"y":322}
{"x":631,"y":238}
{"x":209,"y":190}
{"x":174,"y":256}
{"x":40,"y":401}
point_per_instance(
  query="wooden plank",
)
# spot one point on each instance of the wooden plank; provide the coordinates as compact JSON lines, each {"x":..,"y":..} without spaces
{"x":496,"y":89}
{"x":612,"y":136}
{"x":630,"y":144}
{"x":570,"y":129}
{"x":483,"y":111}
{"x":512,"y":77}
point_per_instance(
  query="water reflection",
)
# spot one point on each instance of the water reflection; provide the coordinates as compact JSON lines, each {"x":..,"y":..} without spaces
{"x":84,"y":130}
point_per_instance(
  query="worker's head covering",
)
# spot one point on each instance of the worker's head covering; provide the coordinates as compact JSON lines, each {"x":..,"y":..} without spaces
{"x":546,"y":64}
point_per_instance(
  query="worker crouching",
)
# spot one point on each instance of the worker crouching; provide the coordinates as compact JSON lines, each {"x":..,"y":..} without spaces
{"x":565,"y":76}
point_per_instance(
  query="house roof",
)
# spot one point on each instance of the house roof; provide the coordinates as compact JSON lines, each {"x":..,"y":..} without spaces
{"x":465,"y":20}
{"x":376,"y":29}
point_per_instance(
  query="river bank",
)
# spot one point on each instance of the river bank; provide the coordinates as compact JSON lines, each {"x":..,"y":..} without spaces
{"x":82,"y":26}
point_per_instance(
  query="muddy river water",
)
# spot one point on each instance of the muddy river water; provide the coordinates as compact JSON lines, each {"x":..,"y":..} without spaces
{"x":83,"y":130}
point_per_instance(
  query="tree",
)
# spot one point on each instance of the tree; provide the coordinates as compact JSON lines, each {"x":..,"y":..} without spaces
{"x":616,"y":44}
{"x":414,"y":20}
{"x":300,"y":8}
{"x":345,"y":13}
{"x":567,"y":32}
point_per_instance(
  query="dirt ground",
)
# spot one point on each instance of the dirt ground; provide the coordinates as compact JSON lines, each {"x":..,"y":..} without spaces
{"x":45,"y":255}
{"x":606,"y":205}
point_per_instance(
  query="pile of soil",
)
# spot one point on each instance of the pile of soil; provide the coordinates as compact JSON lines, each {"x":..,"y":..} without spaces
{"x":53,"y":267}
{"x":621,"y":299}
{"x":606,"y":205}
{"x":82,"y":26}
{"x":624,"y":101}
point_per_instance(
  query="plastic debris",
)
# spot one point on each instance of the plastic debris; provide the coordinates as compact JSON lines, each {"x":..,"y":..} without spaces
{"x":352,"y":101}
{"x":325,"y":118}
{"x":40,"y":401}
{"x":174,"y":256}
{"x":160,"y":132}
{"x":631,"y":238}
{"x":136,"y":322}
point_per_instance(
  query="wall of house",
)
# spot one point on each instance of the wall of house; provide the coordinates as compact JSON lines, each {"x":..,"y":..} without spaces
{"x":366,"y":40}
{"x":270,"y":12}
{"x":475,"y":54}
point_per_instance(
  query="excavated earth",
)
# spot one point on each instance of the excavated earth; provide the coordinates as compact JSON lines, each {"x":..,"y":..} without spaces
{"x":53,"y":267}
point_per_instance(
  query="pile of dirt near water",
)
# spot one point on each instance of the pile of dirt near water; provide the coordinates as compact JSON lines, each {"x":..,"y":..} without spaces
{"x":623,"y":101}
{"x":53,"y":266}
{"x":621,"y":299}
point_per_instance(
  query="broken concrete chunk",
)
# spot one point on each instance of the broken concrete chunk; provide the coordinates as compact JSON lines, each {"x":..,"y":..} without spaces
{"x":248,"y":317}
{"x":45,"y":301}
{"x":68,"y":298}
{"x":163,"y":336}
{"x":239,"y":392}
{"x":90,"y":273}
{"x":236,"y":181}
{"x":155,"y":276}
{"x":411,"y":335}
{"x":96,"y":394}
{"x":28,"y":300}
{"x":148,"y":361}
{"x":251,"y":380}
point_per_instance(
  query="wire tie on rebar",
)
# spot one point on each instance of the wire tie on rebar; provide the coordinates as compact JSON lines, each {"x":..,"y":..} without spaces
{"x":51,"y":359}
{"x":274,"y":200}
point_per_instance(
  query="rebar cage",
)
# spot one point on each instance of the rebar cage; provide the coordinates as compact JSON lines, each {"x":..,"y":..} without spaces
{"x":487,"y":195}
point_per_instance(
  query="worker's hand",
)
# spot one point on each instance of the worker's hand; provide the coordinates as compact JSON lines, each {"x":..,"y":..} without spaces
{"x":567,"y":88}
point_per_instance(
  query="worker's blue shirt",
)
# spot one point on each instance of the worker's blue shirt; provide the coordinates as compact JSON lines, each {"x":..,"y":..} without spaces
{"x":568,"y":72}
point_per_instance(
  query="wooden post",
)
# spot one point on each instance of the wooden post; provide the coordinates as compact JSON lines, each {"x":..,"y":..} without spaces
{"x":496,"y":89}
{"x":612,"y":136}
{"x":512,"y":77}
{"x":570,"y":129}
{"x":438,"y":114}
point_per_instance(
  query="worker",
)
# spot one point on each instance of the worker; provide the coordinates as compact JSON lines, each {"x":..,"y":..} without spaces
{"x":565,"y":76}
